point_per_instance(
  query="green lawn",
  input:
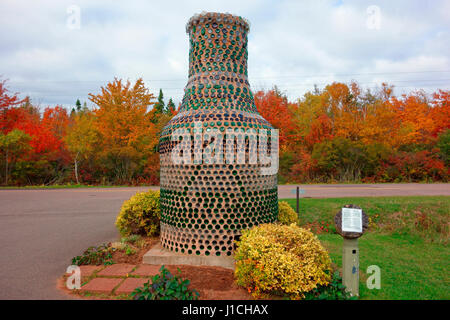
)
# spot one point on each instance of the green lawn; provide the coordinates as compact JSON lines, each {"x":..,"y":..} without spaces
{"x":408,"y":240}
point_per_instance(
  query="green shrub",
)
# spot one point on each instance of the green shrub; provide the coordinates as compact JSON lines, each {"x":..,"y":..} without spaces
{"x":444,"y":146}
{"x":140,"y":215}
{"x":286,"y":215}
{"x":275,"y":259}
{"x":95,"y":255}
{"x":340,"y":159}
{"x":165,"y":286}
{"x":335,"y":290}
{"x":129,"y":251}
{"x":133,"y":239}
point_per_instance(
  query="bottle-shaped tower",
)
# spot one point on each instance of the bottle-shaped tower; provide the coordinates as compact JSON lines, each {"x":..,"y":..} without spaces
{"x":205,"y":205}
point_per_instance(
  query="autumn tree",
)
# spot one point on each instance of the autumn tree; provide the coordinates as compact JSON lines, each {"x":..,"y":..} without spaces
{"x":82,"y":139}
{"x":123,"y":121}
{"x":12,"y":146}
{"x":305,"y":112}
{"x":275,"y":108}
{"x":7,"y":101}
{"x":440,"y":112}
{"x":171,"y":108}
{"x":415,"y":112}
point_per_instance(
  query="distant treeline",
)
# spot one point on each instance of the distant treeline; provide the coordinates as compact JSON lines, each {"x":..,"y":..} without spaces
{"x":339,"y":134}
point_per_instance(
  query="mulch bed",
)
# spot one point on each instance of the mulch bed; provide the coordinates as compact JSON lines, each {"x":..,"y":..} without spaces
{"x":121,"y":257}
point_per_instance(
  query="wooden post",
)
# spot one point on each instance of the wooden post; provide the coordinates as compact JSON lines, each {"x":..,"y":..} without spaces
{"x":350,"y":266}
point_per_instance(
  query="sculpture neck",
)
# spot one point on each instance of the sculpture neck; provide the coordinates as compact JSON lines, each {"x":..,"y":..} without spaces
{"x":218,"y":49}
{"x":218,"y":63}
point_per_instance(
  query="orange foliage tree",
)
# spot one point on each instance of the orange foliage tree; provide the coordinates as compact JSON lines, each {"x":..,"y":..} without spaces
{"x":123,"y":121}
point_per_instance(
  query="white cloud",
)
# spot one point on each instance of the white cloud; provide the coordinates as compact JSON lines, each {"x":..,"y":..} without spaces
{"x":293,"y":44}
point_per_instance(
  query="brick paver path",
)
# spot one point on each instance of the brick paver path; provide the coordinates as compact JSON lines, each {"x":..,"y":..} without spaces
{"x":122,"y":279}
{"x":116,"y":279}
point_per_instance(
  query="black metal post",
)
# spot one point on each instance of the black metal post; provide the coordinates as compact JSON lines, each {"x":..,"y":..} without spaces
{"x":298,"y":200}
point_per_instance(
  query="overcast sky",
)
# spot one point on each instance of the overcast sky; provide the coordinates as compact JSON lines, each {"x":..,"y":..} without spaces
{"x":50,"y":55}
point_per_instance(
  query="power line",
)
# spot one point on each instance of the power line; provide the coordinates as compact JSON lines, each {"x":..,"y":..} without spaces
{"x":258,"y":88}
{"x":363,"y":83}
{"x":262,"y":86}
{"x":326,"y":83}
{"x":254,"y":78}
{"x":352,"y":74}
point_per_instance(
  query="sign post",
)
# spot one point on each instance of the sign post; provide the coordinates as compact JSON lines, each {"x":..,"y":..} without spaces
{"x":351,"y":222}
{"x":298,"y":192}
{"x":350,"y":266}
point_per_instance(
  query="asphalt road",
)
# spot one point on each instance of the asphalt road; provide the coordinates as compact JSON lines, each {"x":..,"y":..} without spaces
{"x":41,"y":230}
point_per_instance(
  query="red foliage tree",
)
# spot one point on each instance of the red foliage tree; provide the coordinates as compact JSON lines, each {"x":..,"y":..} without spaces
{"x":321,"y":129}
{"x":7,"y":100}
{"x":276,"y":109}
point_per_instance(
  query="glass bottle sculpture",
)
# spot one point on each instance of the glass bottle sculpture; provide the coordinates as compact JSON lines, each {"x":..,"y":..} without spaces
{"x":204,"y":206}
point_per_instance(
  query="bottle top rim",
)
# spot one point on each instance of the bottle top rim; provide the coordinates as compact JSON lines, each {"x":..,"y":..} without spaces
{"x":206,"y":17}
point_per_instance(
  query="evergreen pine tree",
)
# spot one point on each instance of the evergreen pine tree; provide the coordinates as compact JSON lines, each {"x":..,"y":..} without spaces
{"x":159,"y":106}
{"x":78,"y":105}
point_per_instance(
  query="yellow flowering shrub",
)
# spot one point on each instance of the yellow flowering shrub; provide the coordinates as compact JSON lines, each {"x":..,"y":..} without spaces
{"x":140,"y":214}
{"x":281,"y":260}
{"x":286,"y":215}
